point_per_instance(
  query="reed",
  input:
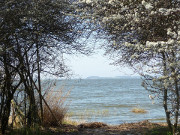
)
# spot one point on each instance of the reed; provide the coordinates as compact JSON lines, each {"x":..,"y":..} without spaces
{"x":56,"y":99}
{"x":85,"y":116}
{"x":138,"y":110}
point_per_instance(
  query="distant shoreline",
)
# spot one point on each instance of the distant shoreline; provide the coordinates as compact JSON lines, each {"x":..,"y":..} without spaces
{"x":116,"y":77}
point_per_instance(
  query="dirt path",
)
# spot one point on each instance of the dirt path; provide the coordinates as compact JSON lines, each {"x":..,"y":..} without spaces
{"x":96,"y":128}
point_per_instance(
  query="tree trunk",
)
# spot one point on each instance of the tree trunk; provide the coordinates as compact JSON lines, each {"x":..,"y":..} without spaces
{"x":9,"y":96}
{"x":47,"y":104}
{"x":174,"y":76}
{"x":5,"y":115}
{"x":165,"y":105}
{"x":166,"y":110}
{"x":39,"y":79}
{"x":2,"y":102}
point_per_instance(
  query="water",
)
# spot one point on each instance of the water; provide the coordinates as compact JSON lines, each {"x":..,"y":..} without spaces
{"x":111,"y":101}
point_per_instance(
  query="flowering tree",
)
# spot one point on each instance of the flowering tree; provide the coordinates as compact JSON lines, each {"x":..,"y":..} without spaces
{"x":146,"y":36}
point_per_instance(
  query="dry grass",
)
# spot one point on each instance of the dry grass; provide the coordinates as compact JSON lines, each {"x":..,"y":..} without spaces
{"x":57,"y":102}
{"x":138,"y":110}
{"x":69,"y":121}
{"x":87,"y":115}
{"x":92,"y":125}
{"x":49,"y":120}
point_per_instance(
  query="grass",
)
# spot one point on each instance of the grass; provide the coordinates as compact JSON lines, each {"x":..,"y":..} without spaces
{"x":28,"y":131}
{"x":138,"y":110}
{"x":159,"y":131}
{"x":68,"y":121}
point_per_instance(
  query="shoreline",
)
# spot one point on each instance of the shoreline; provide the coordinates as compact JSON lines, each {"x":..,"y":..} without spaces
{"x":98,"y":128}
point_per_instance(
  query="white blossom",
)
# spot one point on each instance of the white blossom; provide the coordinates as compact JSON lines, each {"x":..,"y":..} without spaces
{"x":143,"y":2}
{"x":162,"y":10}
{"x":149,"y":6}
{"x":170,"y":41}
{"x":105,"y":19}
{"x":153,"y":12}
{"x":151,"y":44}
{"x":172,"y":64}
{"x":163,"y":77}
{"x":134,"y":56}
{"x":87,"y":1}
{"x":160,"y":50}
{"x":178,"y":33}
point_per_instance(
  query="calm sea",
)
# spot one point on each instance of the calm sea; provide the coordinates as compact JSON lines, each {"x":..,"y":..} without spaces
{"x":110,"y":100}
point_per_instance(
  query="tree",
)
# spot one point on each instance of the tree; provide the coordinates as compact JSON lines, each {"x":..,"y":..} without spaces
{"x":34,"y":35}
{"x":146,"y":36}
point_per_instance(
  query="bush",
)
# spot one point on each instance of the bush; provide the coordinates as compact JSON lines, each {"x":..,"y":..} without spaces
{"x":56,"y":101}
{"x":59,"y":114}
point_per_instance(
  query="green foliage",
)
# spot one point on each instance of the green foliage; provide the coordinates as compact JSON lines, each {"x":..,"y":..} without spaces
{"x":169,"y":133}
{"x":159,"y":131}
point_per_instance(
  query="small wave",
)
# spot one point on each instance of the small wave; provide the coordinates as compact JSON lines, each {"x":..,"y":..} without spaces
{"x":120,"y":106}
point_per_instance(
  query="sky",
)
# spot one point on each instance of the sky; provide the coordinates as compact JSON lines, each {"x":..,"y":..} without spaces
{"x":96,"y":65}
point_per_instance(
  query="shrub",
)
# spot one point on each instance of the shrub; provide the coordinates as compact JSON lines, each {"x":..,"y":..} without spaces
{"x":56,"y":101}
{"x":49,"y":119}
